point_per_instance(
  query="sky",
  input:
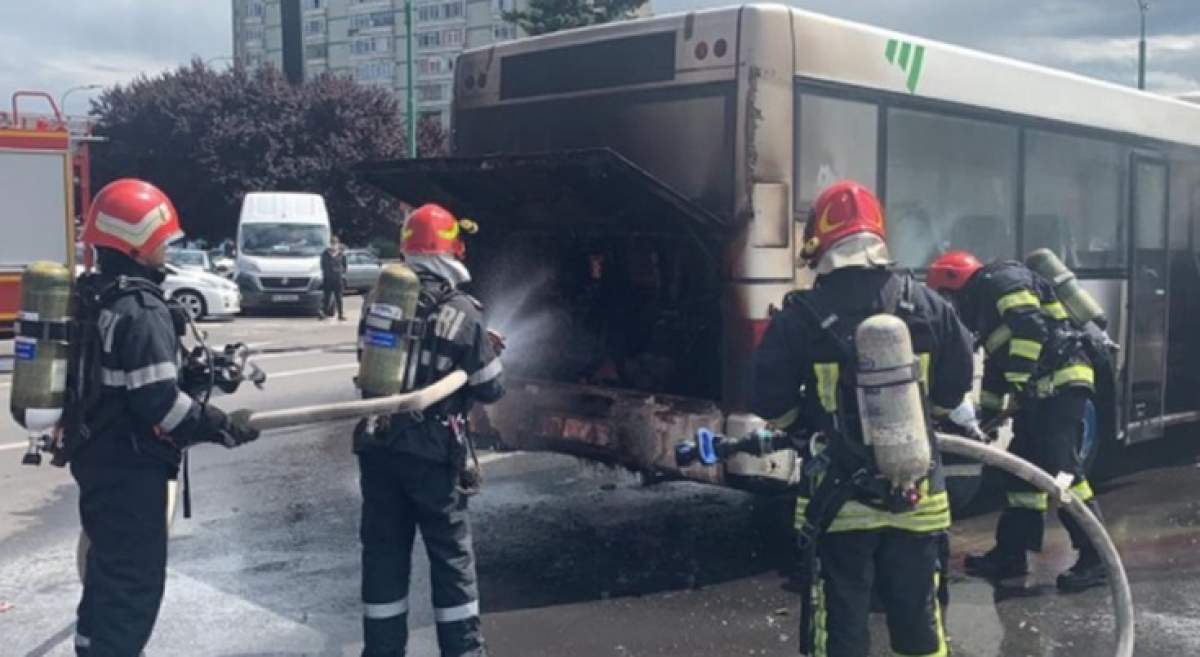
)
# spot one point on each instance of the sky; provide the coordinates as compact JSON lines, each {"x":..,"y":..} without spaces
{"x":54,"y":45}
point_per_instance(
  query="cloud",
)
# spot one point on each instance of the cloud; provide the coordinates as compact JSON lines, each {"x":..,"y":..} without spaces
{"x":56,"y":44}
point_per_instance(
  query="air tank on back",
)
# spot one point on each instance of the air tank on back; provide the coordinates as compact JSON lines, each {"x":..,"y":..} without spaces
{"x":385,"y":367}
{"x":1079,"y":304}
{"x":40,"y":350}
{"x":889,"y":400}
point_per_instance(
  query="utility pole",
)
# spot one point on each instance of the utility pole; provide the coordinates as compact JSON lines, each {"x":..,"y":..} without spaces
{"x":1143,"y":7}
{"x":410,"y":101}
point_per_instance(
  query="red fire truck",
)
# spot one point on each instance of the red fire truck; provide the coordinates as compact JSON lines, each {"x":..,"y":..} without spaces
{"x":43,"y":170}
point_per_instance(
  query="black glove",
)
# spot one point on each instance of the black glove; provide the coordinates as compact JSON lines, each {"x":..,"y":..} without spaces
{"x":228,"y":430}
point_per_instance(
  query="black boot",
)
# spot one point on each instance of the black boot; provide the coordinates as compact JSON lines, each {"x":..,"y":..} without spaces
{"x":997,"y":564}
{"x":1089,"y":571}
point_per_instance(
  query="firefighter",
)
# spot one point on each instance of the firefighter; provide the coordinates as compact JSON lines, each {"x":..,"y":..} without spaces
{"x":415,"y":472}
{"x":138,"y":424}
{"x":1035,"y":364}
{"x":804,"y":380}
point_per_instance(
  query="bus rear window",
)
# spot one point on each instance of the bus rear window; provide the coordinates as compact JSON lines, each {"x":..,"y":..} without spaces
{"x":605,"y":64}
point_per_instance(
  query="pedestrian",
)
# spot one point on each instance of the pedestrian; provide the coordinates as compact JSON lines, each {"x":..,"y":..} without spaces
{"x":858,"y":533}
{"x":333,"y":279}
{"x":417,"y":470}
{"x":1036,"y":365}
{"x":137,"y":423}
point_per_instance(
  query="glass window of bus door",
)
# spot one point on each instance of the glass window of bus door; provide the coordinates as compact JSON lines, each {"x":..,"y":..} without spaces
{"x":951,"y":184}
{"x":835,"y":139}
{"x":1073,"y":199}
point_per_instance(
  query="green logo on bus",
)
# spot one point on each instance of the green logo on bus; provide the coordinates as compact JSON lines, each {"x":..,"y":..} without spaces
{"x":908,"y":57}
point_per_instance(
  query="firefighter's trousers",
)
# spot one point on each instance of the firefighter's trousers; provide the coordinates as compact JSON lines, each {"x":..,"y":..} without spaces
{"x":402,"y":493}
{"x":124,"y":514}
{"x":1047,"y":435}
{"x":903,"y":567}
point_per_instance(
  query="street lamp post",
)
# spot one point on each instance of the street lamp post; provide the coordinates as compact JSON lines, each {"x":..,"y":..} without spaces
{"x":1143,"y":7}
{"x":410,"y":101}
{"x":62,"y":100}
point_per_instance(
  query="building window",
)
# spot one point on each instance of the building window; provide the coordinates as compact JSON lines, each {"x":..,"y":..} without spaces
{"x":501,"y":6}
{"x":252,"y":34}
{"x":316,"y":51}
{"x":1074,"y":199}
{"x":452,"y":10}
{"x":504,"y":32}
{"x":314,"y":27}
{"x":428,"y":12}
{"x":429,"y":39}
{"x":951,"y":184}
{"x":255,"y":9}
{"x":375,"y":19}
{"x":370,"y":45}
{"x":452,"y":37}
{"x":313,"y":4}
{"x":431,"y":92}
{"x":431,"y":65}
{"x":374,"y":72}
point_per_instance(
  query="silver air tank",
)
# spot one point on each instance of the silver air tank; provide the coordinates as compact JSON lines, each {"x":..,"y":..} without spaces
{"x":388,"y":357}
{"x":889,"y":401}
{"x":40,"y":364}
{"x":1079,"y":304}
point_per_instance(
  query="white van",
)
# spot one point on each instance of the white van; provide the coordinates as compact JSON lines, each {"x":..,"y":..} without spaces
{"x":279,"y":242}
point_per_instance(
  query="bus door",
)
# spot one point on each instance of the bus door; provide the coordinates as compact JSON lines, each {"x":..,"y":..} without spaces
{"x":1146,"y":367}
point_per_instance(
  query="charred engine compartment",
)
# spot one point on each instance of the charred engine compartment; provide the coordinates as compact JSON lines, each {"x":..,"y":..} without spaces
{"x":636,"y":312}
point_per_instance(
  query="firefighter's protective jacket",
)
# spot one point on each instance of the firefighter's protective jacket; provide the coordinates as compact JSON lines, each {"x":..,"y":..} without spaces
{"x":141,"y":416}
{"x":457,"y":340}
{"x":1030,"y":345}
{"x":800,"y":373}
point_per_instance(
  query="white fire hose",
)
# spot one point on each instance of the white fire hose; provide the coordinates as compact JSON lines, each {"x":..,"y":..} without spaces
{"x":1122,"y":596}
{"x":409,"y":402}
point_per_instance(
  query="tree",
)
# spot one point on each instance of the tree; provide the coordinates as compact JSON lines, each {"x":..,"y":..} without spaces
{"x":207,"y":137}
{"x":545,"y":16}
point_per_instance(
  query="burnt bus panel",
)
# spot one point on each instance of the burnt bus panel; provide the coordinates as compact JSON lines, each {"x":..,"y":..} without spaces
{"x":577,"y":190}
{"x":682,"y":135}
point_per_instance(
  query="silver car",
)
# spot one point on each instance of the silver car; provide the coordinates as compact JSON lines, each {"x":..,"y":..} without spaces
{"x":362,"y":270}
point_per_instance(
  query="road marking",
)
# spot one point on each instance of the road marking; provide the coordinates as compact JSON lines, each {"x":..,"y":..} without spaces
{"x":310,"y":370}
{"x":8,"y":446}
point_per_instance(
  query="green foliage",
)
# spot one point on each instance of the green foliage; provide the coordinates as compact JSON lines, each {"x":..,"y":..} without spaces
{"x":545,"y":16}
{"x":207,"y":137}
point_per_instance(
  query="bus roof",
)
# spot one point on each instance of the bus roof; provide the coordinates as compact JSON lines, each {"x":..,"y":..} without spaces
{"x":839,"y":51}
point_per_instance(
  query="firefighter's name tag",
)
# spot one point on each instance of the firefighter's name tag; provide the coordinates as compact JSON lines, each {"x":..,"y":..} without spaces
{"x":384,"y":339}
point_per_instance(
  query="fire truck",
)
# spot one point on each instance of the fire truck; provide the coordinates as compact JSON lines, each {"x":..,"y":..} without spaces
{"x":43,"y":172}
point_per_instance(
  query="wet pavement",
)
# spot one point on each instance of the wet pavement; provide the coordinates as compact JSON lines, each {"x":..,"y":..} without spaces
{"x":574,"y":559}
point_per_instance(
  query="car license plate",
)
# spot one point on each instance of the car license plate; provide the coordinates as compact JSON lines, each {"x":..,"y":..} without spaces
{"x":285,"y":297}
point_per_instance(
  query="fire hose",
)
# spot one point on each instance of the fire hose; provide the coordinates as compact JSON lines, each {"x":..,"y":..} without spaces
{"x":409,"y":402}
{"x":1118,"y":581}
{"x":710,"y":448}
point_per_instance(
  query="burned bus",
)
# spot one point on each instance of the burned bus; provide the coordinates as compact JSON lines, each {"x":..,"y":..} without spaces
{"x":641,"y":189}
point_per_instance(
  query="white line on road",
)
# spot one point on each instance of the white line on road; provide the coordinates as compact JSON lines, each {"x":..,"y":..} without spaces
{"x":310,"y":370}
{"x":7,"y":446}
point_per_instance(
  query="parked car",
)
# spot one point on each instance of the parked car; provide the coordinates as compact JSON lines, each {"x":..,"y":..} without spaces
{"x":362,"y":270}
{"x":190,"y":259}
{"x":202,"y":293}
{"x":222,"y":264}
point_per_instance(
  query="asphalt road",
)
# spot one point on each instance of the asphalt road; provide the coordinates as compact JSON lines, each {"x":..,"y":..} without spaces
{"x":574,"y":559}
